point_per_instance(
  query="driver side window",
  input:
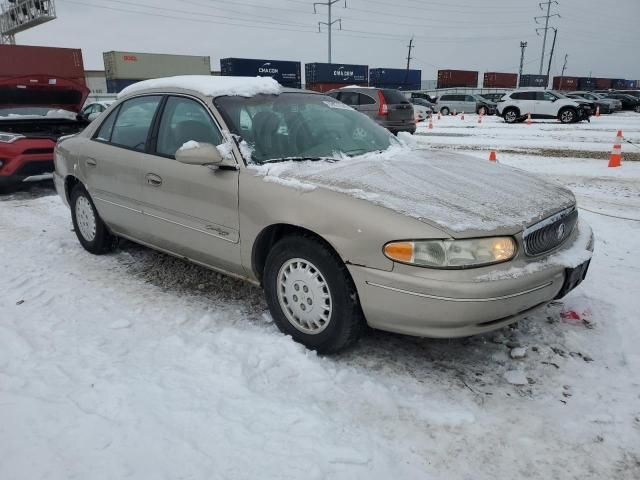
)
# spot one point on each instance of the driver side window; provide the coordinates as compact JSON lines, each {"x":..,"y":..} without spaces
{"x":547,"y":97}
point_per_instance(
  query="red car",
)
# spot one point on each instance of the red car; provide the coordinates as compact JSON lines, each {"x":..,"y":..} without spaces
{"x":35,"y":111}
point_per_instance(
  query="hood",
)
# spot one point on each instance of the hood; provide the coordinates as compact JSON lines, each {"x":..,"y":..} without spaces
{"x":42,"y":91}
{"x":459,"y":194}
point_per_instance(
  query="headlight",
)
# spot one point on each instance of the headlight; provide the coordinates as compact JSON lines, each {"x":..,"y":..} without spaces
{"x":10,"y":137}
{"x":452,"y":253}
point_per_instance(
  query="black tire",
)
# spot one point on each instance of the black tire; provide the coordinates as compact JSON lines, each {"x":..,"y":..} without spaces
{"x":568,"y":115}
{"x":511,"y":115}
{"x":102,"y":241}
{"x":346,"y":321}
{"x":445,"y":111}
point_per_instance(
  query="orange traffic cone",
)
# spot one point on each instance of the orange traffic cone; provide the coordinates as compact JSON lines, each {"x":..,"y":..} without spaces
{"x":528,"y":118}
{"x":492,"y":156}
{"x":462,"y":116}
{"x":430,"y":123}
{"x":480,"y":118}
{"x":455,"y":113}
{"x":615,"y":159}
{"x":438,"y":115}
{"x":597,"y":111}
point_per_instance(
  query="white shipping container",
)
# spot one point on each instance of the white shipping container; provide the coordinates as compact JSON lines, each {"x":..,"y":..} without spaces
{"x":142,"y":66}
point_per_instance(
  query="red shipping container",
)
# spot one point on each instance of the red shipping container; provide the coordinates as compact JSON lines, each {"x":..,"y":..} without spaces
{"x":457,"y":78}
{"x":603,"y":83}
{"x":500,"y":80}
{"x":326,"y":86}
{"x":23,"y":60}
{"x":565,"y":83}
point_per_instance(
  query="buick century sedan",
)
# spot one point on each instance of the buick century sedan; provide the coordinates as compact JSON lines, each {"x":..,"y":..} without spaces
{"x":341,"y":223}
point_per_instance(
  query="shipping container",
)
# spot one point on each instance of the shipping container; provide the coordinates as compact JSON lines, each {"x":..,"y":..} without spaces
{"x":630,"y":84}
{"x":142,"y":66}
{"x":500,"y":80}
{"x":618,"y":83}
{"x":22,"y":60}
{"x":457,"y":78}
{"x":116,"y":85}
{"x":586,"y":83}
{"x":565,"y":83}
{"x":397,"y":78}
{"x":316,"y":73}
{"x":285,"y":72}
{"x":532,"y":80}
{"x":326,"y":86}
{"x":602,"y":83}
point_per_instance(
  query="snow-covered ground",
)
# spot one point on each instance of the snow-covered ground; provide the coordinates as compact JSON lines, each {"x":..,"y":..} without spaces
{"x":138,"y":365}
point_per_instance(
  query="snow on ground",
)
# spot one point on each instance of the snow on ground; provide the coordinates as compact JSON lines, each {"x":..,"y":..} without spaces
{"x":597,"y":135}
{"x":138,"y":365}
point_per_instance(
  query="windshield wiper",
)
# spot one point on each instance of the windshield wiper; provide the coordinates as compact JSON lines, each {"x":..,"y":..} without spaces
{"x":300,"y":159}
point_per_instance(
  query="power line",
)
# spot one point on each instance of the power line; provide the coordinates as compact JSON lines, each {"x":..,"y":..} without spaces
{"x":329,"y":23}
{"x":548,"y":3}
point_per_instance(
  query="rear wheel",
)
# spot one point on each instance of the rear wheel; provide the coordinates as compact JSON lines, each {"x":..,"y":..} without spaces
{"x":445,"y":111}
{"x":567,"y":115}
{"x":311,"y":295}
{"x":89,"y":227}
{"x":511,"y":115}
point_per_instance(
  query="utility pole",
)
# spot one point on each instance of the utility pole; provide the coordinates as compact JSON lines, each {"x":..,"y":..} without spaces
{"x":553,"y":47}
{"x":564,"y":67}
{"x":329,"y":23}
{"x":546,"y":26}
{"x":523,"y":46}
{"x":406,"y":77}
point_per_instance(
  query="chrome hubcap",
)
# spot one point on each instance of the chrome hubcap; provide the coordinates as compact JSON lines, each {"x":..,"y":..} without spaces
{"x":85,"y":219}
{"x":304,"y":296}
{"x":567,"y":116}
{"x":511,"y":116}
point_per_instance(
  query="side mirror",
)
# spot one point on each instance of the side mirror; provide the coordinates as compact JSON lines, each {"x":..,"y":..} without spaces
{"x":194,"y":153}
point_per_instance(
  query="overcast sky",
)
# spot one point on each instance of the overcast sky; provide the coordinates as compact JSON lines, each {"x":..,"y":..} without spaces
{"x":601,"y":38}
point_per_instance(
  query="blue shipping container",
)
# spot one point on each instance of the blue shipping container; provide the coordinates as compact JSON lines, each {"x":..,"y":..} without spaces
{"x":286,"y":73}
{"x":531,"y":80}
{"x":586,"y":83}
{"x":630,"y":83}
{"x":399,"y":78}
{"x":119,"y":84}
{"x":336,"y":73}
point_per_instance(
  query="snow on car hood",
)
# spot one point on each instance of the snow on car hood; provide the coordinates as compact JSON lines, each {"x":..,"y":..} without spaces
{"x":454,"y":191}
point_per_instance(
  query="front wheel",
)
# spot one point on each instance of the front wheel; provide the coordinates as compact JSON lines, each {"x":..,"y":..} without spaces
{"x":567,"y":115}
{"x":89,"y":227}
{"x":311,"y":295}
{"x":445,"y":111}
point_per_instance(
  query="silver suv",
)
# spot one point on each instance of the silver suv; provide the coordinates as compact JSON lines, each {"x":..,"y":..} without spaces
{"x":460,"y":102}
{"x":386,"y":106}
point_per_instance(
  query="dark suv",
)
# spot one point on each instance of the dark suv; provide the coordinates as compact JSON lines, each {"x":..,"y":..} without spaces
{"x":386,"y":106}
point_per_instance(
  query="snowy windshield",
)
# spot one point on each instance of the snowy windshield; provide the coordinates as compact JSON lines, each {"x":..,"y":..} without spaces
{"x":35,"y":112}
{"x":301,"y":125}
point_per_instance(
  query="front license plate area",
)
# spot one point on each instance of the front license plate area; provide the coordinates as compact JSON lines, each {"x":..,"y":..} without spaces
{"x":573,"y":278}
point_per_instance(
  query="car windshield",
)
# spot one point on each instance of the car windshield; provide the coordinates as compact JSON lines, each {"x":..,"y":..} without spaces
{"x":301,"y":126}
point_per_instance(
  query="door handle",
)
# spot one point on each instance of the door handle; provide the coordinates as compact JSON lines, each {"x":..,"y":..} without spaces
{"x":91,"y":162}
{"x":153,"y":179}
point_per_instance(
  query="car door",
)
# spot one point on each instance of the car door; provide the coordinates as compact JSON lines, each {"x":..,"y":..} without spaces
{"x":190,"y":210}
{"x":525,"y":101}
{"x":112,"y":163}
{"x":545,"y":105}
{"x":469,"y":104}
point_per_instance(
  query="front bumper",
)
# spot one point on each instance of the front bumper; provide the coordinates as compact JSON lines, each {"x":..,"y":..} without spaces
{"x":25,"y":158}
{"x":456,"y":303}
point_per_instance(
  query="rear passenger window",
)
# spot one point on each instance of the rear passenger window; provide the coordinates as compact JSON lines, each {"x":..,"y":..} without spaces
{"x":104,"y":132}
{"x":132,"y":125}
{"x":523,"y":96}
{"x":350,"y":98}
{"x":469,"y":98}
{"x":366,"y":100}
{"x":183,"y":120}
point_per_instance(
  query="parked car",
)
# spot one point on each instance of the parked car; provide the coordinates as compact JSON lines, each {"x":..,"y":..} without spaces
{"x":457,"y":102}
{"x":338,"y":221}
{"x":515,"y":106}
{"x":629,"y":102}
{"x":607,"y":105}
{"x":92,"y":110}
{"x":633,"y":93}
{"x":32,"y":118}
{"x":386,"y":106}
{"x":424,"y":96}
{"x":422,"y":108}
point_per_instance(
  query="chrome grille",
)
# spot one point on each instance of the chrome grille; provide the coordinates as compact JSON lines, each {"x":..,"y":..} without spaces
{"x":551,"y":232}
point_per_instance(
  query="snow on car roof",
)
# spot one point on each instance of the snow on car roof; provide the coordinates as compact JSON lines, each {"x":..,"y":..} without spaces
{"x":209,"y":85}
